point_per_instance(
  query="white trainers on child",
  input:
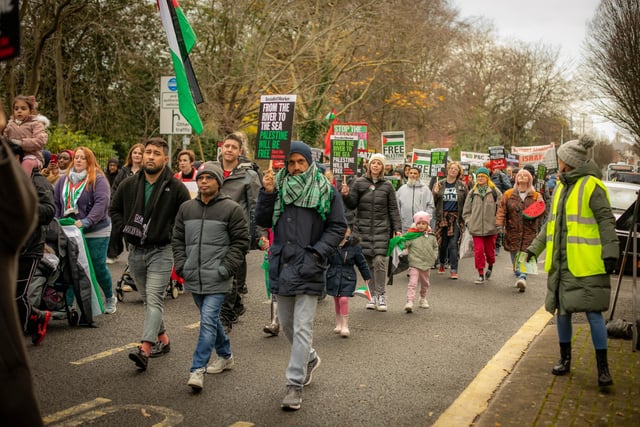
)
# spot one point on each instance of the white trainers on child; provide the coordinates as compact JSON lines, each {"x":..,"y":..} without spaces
{"x":424,"y":303}
{"x":408,"y":307}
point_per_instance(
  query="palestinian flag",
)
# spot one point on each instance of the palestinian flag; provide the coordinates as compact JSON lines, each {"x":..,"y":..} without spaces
{"x":181,"y":40}
{"x":331,"y":115}
{"x":363,"y":291}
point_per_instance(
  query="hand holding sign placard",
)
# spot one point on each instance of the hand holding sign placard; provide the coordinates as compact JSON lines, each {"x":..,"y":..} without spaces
{"x":275,"y":126}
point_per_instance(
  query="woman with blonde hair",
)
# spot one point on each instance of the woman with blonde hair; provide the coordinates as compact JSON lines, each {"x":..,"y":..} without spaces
{"x":83,"y":194}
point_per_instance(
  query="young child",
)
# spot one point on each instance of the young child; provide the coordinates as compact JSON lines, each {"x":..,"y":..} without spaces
{"x":423,"y":251}
{"x":342,"y":278}
{"x":26,"y":131}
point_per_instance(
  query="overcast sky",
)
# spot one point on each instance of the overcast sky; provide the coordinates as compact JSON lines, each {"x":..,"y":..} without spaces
{"x":560,"y":23}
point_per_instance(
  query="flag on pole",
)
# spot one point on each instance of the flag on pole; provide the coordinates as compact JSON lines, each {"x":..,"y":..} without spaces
{"x":181,"y":40}
{"x":327,"y":139}
{"x":331,"y":115}
{"x":363,"y":291}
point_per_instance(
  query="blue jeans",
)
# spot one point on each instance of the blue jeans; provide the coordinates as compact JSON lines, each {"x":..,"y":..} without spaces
{"x":97,"y":247}
{"x":150,"y":269}
{"x":296,"y":316}
{"x":516,"y":270}
{"x":211,"y":330}
{"x":596,"y":324}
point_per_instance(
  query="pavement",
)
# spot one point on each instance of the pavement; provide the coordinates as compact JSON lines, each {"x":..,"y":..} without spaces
{"x":516,"y":388}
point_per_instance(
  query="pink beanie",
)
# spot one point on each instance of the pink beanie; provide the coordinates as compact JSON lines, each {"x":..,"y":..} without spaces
{"x":421,"y":216}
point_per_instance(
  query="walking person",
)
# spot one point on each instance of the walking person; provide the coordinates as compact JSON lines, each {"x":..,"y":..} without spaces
{"x":377,"y":221}
{"x":241,"y":183}
{"x":581,"y":252}
{"x":342,"y":279}
{"x":307,"y":219}
{"x":210,"y":238}
{"x":423,"y":251}
{"x":449,"y":197}
{"x":83,"y":194}
{"x":519,"y":231}
{"x":144,"y":208}
{"x":413,"y":197}
{"x":479,"y":215}
{"x":132,"y":165}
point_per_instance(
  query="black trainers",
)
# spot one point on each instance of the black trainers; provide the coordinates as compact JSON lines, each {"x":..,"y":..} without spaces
{"x":140,"y":358}
{"x":292,"y":399}
{"x":160,"y":349}
{"x":487,"y":273}
{"x":311,"y":366}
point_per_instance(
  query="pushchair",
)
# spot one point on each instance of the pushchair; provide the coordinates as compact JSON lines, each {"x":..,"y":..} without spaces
{"x":174,"y":287}
{"x":59,"y":284}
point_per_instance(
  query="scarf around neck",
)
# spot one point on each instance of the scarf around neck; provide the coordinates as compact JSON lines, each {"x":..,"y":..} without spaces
{"x":72,"y":190}
{"x":310,"y":189}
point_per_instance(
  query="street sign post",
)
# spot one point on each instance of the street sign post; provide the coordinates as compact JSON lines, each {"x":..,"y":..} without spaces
{"x":171,"y":121}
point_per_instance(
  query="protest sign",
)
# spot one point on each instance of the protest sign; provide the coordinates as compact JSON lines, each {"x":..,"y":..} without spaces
{"x":393,"y":147}
{"x":275,"y":126}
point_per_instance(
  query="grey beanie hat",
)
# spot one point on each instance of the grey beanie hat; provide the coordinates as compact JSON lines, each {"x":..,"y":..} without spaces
{"x":212,"y":169}
{"x":575,"y":152}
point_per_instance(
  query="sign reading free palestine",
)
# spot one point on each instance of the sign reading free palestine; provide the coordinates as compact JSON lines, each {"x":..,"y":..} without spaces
{"x":393,"y":147}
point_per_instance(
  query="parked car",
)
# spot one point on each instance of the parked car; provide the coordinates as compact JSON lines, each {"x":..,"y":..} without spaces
{"x":623,"y":196}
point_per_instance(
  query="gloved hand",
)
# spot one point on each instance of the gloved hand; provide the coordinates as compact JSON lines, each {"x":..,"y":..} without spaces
{"x":610,"y":265}
{"x":529,"y":255}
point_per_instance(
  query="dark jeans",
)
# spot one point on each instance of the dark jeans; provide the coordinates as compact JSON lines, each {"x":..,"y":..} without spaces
{"x":116,"y":245}
{"x":232,"y":308}
{"x":449,"y":247}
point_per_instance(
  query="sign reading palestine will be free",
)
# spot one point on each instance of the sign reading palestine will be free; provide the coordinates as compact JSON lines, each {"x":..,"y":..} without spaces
{"x":343,"y":155}
{"x":275,"y":126}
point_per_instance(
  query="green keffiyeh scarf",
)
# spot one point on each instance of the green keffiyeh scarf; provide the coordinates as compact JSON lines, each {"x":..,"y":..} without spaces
{"x":310,"y":189}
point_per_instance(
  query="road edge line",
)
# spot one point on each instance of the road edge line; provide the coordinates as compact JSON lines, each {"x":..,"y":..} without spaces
{"x":474,"y":400}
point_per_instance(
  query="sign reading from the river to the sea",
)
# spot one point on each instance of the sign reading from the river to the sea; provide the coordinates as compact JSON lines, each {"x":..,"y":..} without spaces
{"x":344,"y":150}
{"x":275,"y":126}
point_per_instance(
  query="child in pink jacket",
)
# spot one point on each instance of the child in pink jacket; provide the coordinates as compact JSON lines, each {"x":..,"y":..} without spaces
{"x":23,"y":129}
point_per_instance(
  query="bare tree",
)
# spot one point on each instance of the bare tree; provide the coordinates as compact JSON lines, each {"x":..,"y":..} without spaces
{"x":613,"y":57}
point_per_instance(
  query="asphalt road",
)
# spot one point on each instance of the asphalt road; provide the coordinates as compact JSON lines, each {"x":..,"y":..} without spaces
{"x":396,"y":368}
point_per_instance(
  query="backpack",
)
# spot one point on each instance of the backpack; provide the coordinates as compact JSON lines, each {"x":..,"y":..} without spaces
{"x":493,"y":191}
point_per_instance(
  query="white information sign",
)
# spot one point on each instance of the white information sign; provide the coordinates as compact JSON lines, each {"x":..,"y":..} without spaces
{"x":171,"y":121}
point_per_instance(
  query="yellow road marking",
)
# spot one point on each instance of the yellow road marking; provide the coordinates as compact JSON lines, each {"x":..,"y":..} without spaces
{"x":104,"y":354}
{"x":66,"y":413}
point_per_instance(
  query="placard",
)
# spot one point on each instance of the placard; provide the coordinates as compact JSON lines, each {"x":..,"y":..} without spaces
{"x":421,"y":159}
{"x":497,"y":157}
{"x":275,"y":126}
{"x":438,"y":161}
{"x":393,"y":147}
{"x":9,"y":29}
{"x":344,"y":150}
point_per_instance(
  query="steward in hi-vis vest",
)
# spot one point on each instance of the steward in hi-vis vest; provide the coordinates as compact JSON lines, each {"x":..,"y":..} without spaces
{"x":581,"y":252}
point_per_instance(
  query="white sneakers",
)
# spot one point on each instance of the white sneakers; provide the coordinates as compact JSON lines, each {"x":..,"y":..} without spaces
{"x":111,"y":305}
{"x":371,"y":305}
{"x":196,"y":379}
{"x":408,"y":307}
{"x":424,"y":303}
{"x":221,"y":364}
{"x":521,"y":284}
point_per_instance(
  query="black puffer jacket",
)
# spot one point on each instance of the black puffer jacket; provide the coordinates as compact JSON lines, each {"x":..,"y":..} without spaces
{"x":377,"y":216}
{"x":34,"y":247}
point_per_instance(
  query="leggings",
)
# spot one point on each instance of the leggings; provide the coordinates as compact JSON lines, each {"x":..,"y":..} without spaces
{"x":341,"y":305}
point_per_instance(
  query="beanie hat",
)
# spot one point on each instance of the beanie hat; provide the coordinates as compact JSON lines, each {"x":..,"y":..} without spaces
{"x":421,"y":216}
{"x":574,"y":153}
{"x":529,"y":168}
{"x":302,"y":149}
{"x":113,"y":160}
{"x":379,"y":157}
{"x":212,"y":169}
{"x":483,"y":171}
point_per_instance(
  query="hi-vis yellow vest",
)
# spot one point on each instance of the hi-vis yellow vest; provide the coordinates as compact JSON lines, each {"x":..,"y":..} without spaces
{"x":584,"y":247}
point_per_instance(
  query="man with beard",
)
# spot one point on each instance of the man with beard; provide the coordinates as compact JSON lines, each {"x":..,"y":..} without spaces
{"x":144,"y":207}
{"x":413,"y":197}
